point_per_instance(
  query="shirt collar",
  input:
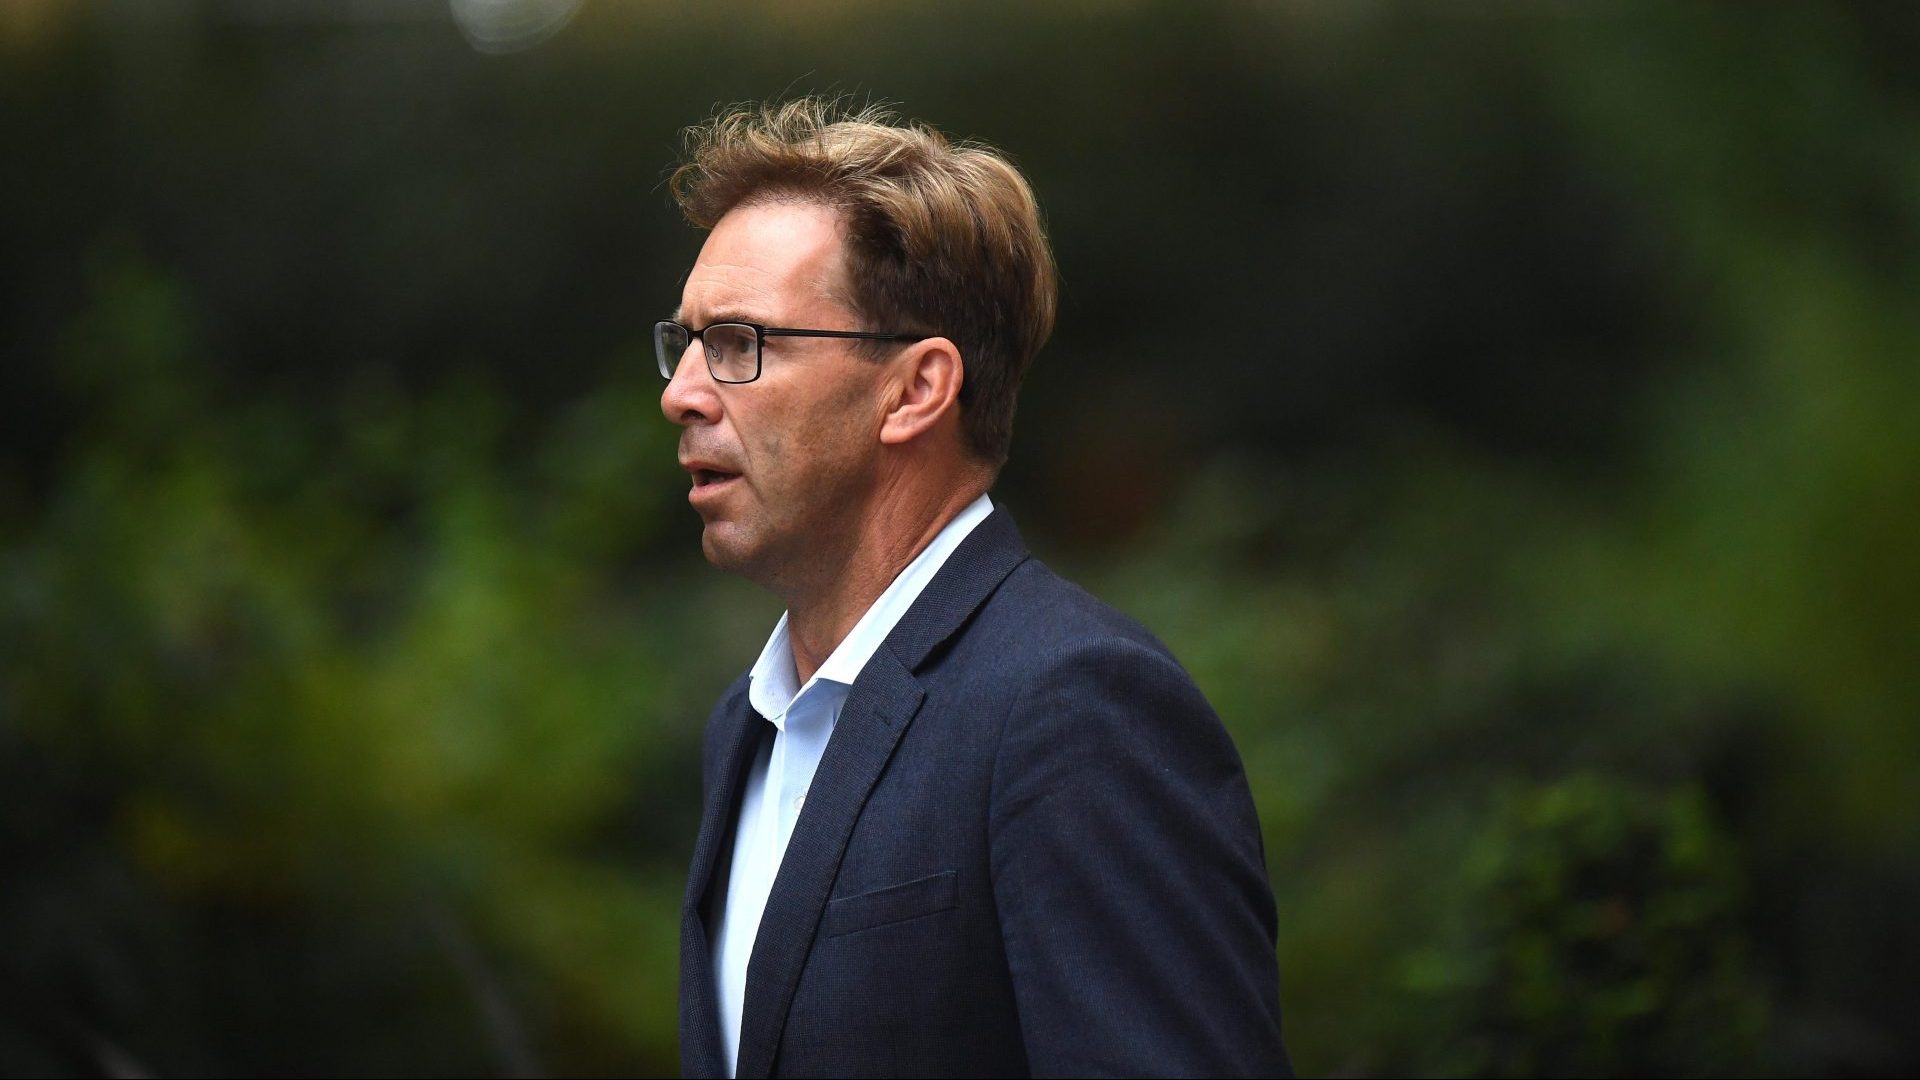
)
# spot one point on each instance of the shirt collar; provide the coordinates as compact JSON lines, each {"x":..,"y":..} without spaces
{"x":772,"y":690}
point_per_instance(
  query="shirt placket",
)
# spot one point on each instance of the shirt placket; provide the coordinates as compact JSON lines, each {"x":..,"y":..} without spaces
{"x":807,"y":727}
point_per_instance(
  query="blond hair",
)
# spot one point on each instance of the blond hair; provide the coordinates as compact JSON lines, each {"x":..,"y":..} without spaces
{"x":943,"y":238}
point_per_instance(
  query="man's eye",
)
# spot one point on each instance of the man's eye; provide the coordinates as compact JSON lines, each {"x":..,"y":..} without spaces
{"x":730,"y":343}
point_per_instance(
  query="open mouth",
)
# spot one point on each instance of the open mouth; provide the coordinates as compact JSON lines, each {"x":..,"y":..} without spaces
{"x":709,"y":477}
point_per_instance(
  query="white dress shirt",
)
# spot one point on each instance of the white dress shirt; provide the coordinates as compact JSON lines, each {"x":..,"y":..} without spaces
{"x":776,"y":787}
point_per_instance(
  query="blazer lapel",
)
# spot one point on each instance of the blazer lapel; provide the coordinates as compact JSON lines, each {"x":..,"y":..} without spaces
{"x":882,"y":701}
{"x":738,"y":737}
{"x":880,"y":705}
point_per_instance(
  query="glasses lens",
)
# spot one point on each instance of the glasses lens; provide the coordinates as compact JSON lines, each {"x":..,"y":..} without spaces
{"x":733,"y":351}
{"x":669,"y":345}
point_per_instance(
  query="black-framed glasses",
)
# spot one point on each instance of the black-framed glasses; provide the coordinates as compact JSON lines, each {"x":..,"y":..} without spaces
{"x":733,"y":348}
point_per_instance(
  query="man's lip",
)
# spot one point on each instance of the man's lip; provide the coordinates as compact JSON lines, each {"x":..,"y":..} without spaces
{"x":707,"y":472}
{"x":708,"y":488}
{"x":709,"y":480}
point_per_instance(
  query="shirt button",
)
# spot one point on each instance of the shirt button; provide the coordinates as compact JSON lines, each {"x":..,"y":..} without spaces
{"x":797,"y":800}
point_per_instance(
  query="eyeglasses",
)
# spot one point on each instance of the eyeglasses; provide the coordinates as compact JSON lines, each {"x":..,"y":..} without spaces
{"x":733,"y":348}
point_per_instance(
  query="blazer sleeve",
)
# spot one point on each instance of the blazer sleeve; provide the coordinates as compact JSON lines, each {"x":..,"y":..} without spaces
{"x":1129,"y":877}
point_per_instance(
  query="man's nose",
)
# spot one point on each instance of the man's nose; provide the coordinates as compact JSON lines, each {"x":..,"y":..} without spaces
{"x":689,"y":397}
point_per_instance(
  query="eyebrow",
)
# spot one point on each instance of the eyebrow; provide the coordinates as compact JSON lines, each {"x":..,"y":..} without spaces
{"x":733,"y":315}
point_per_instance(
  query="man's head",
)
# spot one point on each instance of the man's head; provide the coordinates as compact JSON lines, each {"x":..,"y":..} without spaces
{"x":847,"y":224}
{"x":941,"y":239}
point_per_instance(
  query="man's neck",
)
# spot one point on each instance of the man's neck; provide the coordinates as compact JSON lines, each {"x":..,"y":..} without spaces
{"x":819,"y":619}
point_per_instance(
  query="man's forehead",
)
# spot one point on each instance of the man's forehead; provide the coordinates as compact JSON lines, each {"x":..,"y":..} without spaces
{"x":765,"y":257}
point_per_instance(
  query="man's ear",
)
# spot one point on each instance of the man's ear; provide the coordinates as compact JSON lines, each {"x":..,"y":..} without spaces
{"x":926,"y":388}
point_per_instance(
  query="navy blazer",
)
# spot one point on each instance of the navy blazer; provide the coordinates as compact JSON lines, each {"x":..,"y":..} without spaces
{"x":1029,"y":849}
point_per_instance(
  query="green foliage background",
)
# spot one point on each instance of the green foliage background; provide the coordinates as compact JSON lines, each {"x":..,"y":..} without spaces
{"x":1506,"y":415}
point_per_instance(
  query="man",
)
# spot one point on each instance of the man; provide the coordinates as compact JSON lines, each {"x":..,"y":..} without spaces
{"x":960,"y":817}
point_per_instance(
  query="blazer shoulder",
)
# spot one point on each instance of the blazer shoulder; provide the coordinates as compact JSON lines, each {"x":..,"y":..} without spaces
{"x":1053,"y":619}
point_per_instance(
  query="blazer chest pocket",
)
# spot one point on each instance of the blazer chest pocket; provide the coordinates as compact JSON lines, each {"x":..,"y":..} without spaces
{"x":895,"y":903}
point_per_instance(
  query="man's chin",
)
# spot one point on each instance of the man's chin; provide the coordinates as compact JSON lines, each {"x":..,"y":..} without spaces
{"x":726,"y":549}
{"x":719,"y":553}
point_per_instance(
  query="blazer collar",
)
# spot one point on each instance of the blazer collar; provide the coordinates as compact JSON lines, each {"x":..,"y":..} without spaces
{"x":735,"y":739}
{"x":976,"y":568}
